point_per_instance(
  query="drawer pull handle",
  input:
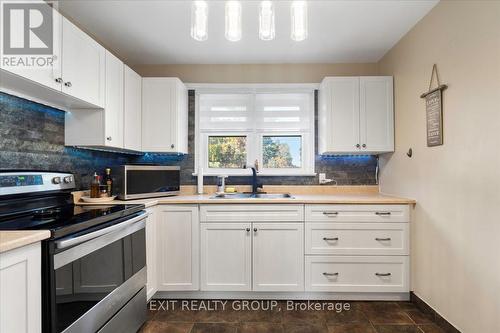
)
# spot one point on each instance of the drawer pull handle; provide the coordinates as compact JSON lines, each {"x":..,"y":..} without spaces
{"x":330,"y":239}
{"x":330,"y":214}
{"x":383,"y":239}
{"x":248,"y":229}
{"x":382,"y":213}
{"x":330,"y":274}
{"x":383,"y":274}
{"x":254,"y":229}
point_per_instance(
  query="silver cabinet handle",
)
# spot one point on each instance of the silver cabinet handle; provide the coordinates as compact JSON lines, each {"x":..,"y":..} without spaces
{"x":254,"y":229}
{"x":330,"y":239}
{"x":248,"y":229}
{"x":330,"y":274}
{"x":383,"y":239}
{"x":68,"y":84}
{"x":109,"y":138}
{"x":363,"y":145}
{"x":172,"y":146}
{"x":59,"y":80}
{"x":358,"y":145}
{"x":382,"y":213}
{"x":383,"y":274}
{"x":330,"y":214}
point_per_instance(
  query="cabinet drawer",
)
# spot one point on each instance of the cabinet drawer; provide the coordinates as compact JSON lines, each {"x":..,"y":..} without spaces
{"x":357,"y":238}
{"x":357,"y":274}
{"x":357,"y":213}
{"x":251,"y":213}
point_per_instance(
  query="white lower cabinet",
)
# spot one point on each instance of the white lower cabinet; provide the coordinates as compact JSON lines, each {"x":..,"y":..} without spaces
{"x":357,"y":273}
{"x":356,"y":249}
{"x":151,"y":251}
{"x":178,"y":247}
{"x":245,"y":256}
{"x":357,"y":238}
{"x":20,"y":290}
{"x":226,"y":256}
{"x":278,"y":256}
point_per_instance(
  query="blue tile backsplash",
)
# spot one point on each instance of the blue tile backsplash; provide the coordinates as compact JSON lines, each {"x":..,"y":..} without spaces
{"x":32,"y":137}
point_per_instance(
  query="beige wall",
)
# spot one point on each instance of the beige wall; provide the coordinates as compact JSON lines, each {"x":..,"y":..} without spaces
{"x":456,"y":226}
{"x":265,"y":73}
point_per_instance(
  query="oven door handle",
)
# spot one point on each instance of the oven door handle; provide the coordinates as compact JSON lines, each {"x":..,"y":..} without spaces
{"x":64,"y":243}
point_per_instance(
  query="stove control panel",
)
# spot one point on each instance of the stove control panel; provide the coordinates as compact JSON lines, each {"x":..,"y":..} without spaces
{"x":29,"y":182}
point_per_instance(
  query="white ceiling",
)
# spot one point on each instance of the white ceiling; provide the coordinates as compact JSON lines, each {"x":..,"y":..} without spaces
{"x":158,"y":32}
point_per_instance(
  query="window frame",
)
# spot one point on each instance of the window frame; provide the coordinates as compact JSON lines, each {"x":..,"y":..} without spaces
{"x":254,"y":136}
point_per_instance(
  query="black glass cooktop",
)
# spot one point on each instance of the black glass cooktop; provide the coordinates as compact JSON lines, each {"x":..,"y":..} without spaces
{"x":67,"y":219}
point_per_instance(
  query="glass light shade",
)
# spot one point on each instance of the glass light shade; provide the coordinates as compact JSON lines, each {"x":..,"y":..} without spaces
{"x":233,"y":21}
{"x":199,"y":20}
{"x":266,"y":21}
{"x":299,"y":20}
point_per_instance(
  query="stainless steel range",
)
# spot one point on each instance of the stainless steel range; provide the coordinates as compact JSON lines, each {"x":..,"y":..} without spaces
{"x":93,"y":265}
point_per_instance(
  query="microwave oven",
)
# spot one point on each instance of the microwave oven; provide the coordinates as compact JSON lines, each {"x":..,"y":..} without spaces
{"x":146,"y":181}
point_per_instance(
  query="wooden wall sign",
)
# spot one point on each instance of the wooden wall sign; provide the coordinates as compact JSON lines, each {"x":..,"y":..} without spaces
{"x":434,"y":111}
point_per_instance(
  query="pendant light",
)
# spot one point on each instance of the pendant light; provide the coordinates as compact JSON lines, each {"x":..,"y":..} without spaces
{"x":199,"y":20}
{"x":266,"y":21}
{"x":299,"y":20}
{"x":233,"y":21}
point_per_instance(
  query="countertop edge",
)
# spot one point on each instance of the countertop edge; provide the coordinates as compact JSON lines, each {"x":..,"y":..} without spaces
{"x":298,"y":199}
{"x":13,"y":239}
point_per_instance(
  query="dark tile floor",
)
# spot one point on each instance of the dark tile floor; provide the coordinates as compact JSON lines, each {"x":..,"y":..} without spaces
{"x":362,"y":317}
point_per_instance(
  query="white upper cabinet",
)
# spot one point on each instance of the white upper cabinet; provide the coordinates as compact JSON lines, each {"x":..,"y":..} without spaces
{"x":164,"y":115}
{"x":100,"y":127}
{"x":74,"y":76}
{"x":49,"y":75}
{"x":113,"y":112}
{"x":132,"y":83}
{"x":356,"y":115}
{"x":376,"y":114}
{"x":83,"y":65}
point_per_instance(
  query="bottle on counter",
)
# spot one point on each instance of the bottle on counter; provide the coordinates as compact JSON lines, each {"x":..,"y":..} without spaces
{"x":108,"y":181}
{"x":94,"y":186}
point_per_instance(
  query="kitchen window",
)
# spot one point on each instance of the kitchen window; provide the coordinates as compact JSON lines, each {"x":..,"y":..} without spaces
{"x":236,"y":127}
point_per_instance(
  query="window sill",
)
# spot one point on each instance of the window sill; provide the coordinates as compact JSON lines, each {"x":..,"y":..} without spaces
{"x":260,"y":174}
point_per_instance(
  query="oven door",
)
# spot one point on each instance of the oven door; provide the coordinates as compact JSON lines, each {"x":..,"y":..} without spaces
{"x":96,"y":274}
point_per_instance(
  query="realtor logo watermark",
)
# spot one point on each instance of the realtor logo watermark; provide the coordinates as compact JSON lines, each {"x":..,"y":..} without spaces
{"x":27,"y":35}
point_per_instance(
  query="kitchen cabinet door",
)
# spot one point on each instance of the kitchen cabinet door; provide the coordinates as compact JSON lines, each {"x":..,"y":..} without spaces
{"x":339,"y":115}
{"x":376,"y":114}
{"x":113,"y":111}
{"x":278,"y":256}
{"x":21,"y":290}
{"x":151,"y":252}
{"x":226,"y":256}
{"x":83,"y":65}
{"x":178,"y":248}
{"x":48,"y":76}
{"x":132,"y":106}
{"x":164,"y":115}
{"x":100,"y":127}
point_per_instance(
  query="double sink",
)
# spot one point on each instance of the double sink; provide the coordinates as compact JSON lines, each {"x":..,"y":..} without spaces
{"x":252,"y":196}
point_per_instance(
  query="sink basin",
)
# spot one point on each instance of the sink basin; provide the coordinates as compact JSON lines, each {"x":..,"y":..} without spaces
{"x":252,"y":196}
